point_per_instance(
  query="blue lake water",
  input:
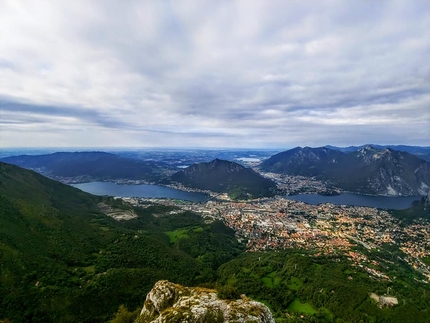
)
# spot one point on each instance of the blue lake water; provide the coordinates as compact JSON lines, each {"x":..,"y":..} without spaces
{"x":149,"y":191}
{"x":383,"y":202}
{"x":157,"y":191}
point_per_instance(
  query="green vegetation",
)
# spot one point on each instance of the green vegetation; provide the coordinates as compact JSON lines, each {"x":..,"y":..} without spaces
{"x":125,"y":316}
{"x":295,"y":283}
{"x":227,"y":177}
{"x":61,"y":260}
{"x":426,"y":260}
{"x":297,"y":306}
{"x":64,"y":261}
{"x":228,"y":292}
{"x":238,"y":193}
{"x":418,"y":209}
{"x":176,"y":235}
{"x":323,"y":288}
{"x":271,"y":280}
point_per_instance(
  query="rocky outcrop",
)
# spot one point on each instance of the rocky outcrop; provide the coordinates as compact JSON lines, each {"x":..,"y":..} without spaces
{"x":168,"y":303}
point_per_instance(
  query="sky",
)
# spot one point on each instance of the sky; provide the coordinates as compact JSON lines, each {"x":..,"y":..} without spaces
{"x":231,"y":74}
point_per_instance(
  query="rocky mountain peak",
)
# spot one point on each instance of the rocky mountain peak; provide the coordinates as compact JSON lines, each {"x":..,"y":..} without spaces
{"x":168,"y":302}
{"x":369,"y":170}
{"x":368,"y":148}
{"x":370,"y":154}
{"x":427,"y":201}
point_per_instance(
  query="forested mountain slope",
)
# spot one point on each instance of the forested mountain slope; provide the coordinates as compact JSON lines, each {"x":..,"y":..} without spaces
{"x":64,"y":261}
{"x":89,"y":166}
{"x":227,"y":177}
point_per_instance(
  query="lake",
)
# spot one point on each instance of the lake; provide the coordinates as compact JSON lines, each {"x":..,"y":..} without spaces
{"x":149,"y":191}
{"x":383,"y":202}
{"x":157,"y":191}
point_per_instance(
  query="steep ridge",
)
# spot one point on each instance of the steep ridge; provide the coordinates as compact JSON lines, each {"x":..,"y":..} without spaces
{"x":419,"y":151}
{"x":87,"y":166}
{"x":226,"y":176}
{"x":306,"y":161}
{"x":391,"y":172}
{"x":368,"y":170}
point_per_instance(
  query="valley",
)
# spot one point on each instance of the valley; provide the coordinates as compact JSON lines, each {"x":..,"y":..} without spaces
{"x":65,"y":247}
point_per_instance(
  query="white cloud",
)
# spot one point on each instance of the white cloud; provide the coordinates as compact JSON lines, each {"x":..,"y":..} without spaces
{"x":246,"y":73}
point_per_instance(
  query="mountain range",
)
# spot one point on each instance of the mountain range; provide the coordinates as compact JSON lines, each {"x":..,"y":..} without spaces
{"x":368,"y":170}
{"x":88,"y":166}
{"x":360,"y":169}
{"x":419,"y":151}
{"x":227,"y":177}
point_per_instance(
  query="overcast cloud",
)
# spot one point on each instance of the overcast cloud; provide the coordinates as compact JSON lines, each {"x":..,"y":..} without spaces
{"x":214,"y":73}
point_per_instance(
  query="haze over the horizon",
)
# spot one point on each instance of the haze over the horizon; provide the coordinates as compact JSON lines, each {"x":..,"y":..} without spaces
{"x":263,"y":74}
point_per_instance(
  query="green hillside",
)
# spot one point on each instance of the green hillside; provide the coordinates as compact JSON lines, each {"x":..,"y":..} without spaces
{"x":226,"y":177}
{"x":64,"y":261}
{"x":324,"y":288}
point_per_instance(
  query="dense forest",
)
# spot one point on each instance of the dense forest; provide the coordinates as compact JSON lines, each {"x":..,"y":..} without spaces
{"x":323,"y":288}
{"x":78,"y":269}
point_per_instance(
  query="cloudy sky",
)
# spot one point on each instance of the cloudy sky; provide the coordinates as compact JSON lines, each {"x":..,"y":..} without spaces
{"x":264,"y":74}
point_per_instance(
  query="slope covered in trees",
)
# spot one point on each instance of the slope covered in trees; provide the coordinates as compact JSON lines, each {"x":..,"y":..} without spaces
{"x":324,"y":288}
{"x":64,"y":261}
{"x":89,"y":166}
{"x":227,"y":177}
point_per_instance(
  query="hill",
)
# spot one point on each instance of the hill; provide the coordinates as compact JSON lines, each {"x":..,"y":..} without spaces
{"x":368,"y":170}
{"x":227,"y":177}
{"x":419,"y":209}
{"x":88,"y":166}
{"x":59,"y":253}
{"x":306,"y":161}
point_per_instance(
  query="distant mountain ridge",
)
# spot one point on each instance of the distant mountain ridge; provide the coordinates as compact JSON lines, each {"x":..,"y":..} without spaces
{"x":367,"y":171}
{"x":226,"y":176}
{"x":419,"y":151}
{"x":88,"y":165}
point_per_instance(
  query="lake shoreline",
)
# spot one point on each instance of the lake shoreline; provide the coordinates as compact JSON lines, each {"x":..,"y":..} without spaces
{"x":198,"y":196}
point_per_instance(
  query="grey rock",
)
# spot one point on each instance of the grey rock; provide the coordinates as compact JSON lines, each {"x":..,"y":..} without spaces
{"x":168,"y":302}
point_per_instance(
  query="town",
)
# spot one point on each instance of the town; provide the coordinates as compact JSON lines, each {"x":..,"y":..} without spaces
{"x":356,"y":232}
